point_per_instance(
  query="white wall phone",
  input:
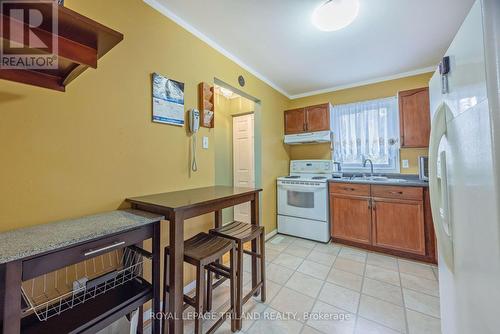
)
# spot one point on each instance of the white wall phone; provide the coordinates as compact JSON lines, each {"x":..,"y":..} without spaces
{"x":194,"y":126}
{"x":194,"y":120}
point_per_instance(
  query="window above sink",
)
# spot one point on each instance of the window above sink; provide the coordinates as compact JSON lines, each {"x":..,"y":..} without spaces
{"x":367,"y":130}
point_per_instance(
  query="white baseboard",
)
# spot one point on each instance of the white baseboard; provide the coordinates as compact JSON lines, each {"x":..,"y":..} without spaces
{"x":271,"y":234}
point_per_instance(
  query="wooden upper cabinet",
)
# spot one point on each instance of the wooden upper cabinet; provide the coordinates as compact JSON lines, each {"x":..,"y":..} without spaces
{"x":414,"y":117}
{"x":308,"y":119}
{"x":318,"y":118}
{"x":399,"y":225}
{"x":351,"y":218}
{"x":295,"y":121}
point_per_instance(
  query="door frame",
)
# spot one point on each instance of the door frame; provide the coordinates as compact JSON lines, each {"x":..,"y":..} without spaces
{"x":234,"y":117}
{"x":257,"y":127}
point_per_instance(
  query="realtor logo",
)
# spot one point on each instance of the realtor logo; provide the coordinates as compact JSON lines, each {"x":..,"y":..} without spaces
{"x":28,"y":29}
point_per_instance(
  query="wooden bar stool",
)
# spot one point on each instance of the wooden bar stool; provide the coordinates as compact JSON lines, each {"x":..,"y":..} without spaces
{"x":242,"y":233}
{"x":202,"y":251}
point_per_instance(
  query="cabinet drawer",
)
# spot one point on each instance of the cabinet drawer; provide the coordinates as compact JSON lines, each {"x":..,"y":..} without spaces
{"x":350,"y":189}
{"x":397,"y":192}
{"x":59,"y":259}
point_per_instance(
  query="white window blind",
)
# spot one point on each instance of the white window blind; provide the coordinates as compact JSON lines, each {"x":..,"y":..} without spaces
{"x":367,"y":130}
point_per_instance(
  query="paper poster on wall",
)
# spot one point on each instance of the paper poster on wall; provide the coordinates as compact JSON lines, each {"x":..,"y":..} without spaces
{"x":168,"y":100}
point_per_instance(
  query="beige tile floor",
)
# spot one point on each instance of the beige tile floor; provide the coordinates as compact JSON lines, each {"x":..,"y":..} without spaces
{"x":371,"y":293}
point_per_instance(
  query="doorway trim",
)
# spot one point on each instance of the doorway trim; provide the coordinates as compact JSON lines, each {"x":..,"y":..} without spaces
{"x":257,"y":135}
{"x":243,"y":141}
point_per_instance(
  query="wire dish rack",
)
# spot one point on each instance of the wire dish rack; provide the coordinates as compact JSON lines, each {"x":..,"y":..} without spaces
{"x":58,"y":291}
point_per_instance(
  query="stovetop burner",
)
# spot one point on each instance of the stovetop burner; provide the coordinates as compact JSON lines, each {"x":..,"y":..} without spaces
{"x":319,"y":177}
{"x":292,"y":177}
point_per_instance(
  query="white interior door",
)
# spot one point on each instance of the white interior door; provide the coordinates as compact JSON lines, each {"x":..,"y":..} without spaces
{"x":243,"y":160}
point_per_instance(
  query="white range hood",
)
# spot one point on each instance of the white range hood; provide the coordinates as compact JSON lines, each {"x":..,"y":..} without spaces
{"x":309,"y":138}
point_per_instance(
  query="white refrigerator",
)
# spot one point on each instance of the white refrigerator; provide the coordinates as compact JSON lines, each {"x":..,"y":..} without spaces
{"x":464,"y":166}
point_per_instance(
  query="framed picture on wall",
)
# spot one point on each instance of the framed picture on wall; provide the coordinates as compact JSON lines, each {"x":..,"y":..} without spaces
{"x":168,"y":100}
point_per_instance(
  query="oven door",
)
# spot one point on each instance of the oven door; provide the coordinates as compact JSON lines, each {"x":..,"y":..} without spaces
{"x":305,"y":200}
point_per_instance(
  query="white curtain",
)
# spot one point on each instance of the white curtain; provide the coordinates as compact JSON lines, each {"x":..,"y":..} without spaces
{"x":367,"y":130}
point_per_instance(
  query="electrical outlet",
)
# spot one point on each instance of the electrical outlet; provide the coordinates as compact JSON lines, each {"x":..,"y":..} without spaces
{"x":205,"y":142}
{"x":406,"y":164}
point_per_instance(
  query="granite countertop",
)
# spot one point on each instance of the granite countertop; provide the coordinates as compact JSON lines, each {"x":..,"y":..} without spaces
{"x":410,"y":180}
{"x":35,"y":240}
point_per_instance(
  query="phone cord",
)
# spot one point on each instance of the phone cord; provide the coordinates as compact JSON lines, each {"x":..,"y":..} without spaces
{"x":194,"y":166}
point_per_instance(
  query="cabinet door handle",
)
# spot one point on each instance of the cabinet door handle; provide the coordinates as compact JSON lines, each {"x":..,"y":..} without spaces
{"x":94,"y":251}
{"x":349,"y":189}
{"x":304,"y":126}
{"x":396,"y":192}
{"x":370,"y":203}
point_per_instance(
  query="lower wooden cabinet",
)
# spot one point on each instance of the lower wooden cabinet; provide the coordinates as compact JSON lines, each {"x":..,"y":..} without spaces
{"x":390,"y":219}
{"x":353,"y":216}
{"x":399,"y":225}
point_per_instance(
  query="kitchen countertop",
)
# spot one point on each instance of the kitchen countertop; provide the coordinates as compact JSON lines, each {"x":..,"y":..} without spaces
{"x":411,"y":180}
{"x":39,"y":239}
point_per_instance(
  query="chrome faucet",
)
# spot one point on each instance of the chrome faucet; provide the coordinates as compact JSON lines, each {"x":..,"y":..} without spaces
{"x":371,"y":166}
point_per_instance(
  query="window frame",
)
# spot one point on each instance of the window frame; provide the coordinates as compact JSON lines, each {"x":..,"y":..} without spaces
{"x":358,"y":167}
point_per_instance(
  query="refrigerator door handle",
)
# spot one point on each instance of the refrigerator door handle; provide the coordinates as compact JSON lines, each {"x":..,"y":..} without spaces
{"x":444,"y":210}
{"x":438,"y":186}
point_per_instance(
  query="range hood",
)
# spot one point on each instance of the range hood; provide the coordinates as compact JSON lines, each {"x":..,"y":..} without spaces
{"x":309,"y":138}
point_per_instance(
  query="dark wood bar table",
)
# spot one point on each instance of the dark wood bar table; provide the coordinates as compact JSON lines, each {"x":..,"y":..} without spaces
{"x":178,"y":206}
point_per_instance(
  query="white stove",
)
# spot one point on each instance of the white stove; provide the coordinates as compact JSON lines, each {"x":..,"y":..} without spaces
{"x":298,"y":178}
{"x":303,"y":200}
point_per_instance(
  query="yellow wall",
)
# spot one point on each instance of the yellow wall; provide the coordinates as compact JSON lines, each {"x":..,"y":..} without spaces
{"x":356,"y":94}
{"x":311,"y":151}
{"x":84,"y":151}
{"x":241,"y":105}
{"x":412,"y":154}
{"x":223,"y":141}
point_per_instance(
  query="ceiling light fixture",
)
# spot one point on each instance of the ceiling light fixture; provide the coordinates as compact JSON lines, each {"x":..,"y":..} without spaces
{"x":334,"y":15}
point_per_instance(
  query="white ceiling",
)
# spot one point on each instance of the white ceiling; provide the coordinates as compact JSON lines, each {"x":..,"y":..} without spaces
{"x":275,"y":39}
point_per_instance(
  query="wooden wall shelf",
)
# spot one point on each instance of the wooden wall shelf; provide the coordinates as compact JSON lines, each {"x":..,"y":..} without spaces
{"x":81,"y":43}
{"x":206,"y":103}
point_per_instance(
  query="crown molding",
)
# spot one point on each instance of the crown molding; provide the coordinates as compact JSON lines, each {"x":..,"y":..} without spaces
{"x":364,"y":83}
{"x":160,"y":7}
{"x":171,"y":15}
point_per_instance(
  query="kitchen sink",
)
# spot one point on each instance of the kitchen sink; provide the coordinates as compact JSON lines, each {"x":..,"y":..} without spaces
{"x":381,"y":179}
{"x":397,"y":180}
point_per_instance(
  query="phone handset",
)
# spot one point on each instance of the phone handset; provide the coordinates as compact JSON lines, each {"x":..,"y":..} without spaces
{"x":194,"y":120}
{"x":194,"y":125}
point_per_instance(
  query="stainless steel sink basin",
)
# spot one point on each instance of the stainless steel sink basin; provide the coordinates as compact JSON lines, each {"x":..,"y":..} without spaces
{"x":397,"y":180}
{"x":377,"y":178}
{"x":381,"y":179}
